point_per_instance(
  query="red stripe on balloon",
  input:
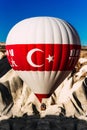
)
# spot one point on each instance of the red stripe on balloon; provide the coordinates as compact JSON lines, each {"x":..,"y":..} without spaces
{"x":41,"y":96}
{"x":43,"y":57}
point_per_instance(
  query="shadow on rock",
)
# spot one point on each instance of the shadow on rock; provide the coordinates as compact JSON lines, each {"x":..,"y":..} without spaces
{"x":47,"y":123}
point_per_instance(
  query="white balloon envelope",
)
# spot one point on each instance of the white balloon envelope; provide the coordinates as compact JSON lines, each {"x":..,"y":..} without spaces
{"x":43,"y":51}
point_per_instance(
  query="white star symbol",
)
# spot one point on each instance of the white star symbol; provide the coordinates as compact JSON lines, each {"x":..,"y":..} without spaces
{"x":50,"y":58}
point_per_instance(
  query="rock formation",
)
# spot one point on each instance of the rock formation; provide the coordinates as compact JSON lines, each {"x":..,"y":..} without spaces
{"x":69,"y":99}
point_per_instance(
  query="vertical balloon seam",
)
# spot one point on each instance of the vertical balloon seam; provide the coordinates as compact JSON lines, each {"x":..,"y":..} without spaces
{"x":56,"y":21}
{"x":56,"y":77}
{"x":44,"y":29}
{"x":62,"y":47}
{"x":69,"y":31}
{"x":52,"y":30}
{"x":36,"y":28}
{"x":76,"y":37}
{"x":74,"y":32}
{"x":36,"y":46}
{"x":46,"y":57}
{"x":45,"y":46}
{"x":45,"y":53}
{"x":53,"y":41}
{"x":53,"y":20}
{"x":71,"y":28}
{"x":56,"y":72}
{"x":61,"y":44}
{"x":68,"y":44}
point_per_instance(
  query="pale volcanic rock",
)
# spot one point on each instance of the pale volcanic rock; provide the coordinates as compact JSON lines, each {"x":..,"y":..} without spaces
{"x":82,"y":60}
{"x":69,"y":99}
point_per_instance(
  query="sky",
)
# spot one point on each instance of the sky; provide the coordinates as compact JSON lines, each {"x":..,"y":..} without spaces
{"x":72,"y":11}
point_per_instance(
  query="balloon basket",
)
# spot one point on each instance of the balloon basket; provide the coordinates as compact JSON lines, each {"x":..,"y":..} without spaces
{"x":43,"y":107}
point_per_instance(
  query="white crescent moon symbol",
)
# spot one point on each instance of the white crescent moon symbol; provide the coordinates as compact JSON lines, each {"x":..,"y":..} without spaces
{"x":30,"y":53}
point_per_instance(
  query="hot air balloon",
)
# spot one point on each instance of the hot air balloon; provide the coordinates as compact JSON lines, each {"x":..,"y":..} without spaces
{"x":43,"y":51}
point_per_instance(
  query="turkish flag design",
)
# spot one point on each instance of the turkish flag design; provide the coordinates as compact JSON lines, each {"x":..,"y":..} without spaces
{"x":43,"y":57}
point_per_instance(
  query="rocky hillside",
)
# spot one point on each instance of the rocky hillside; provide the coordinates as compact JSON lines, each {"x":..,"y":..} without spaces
{"x":2,"y":46}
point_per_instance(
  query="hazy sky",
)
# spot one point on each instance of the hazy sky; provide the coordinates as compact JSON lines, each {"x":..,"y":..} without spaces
{"x":73,"y":11}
